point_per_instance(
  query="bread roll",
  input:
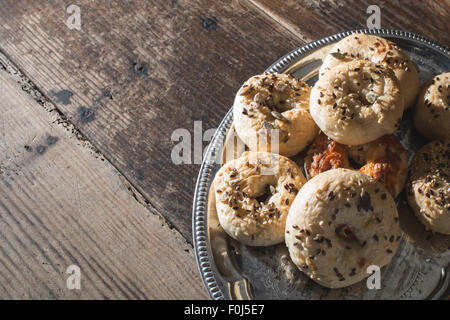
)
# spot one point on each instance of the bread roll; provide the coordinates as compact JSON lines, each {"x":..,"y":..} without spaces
{"x":340,"y":223}
{"x":432,"y":113}
{"x":428,"y":186}
{"x":253,"y":196}
{"x":271,"y":113}
{"x":357,"y":102}
{"x":379,"y":51}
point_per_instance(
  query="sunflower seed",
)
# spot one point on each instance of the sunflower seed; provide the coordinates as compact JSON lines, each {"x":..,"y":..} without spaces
{"x":279,"y":116}
{"x":371,"y":98}
{"x":280,"y":87}
{"x":337,"y":55}
{"x":272,"y":189}
{"x":268,"y":125}
{"x":270,"y":103}
{"x":246,"y":91}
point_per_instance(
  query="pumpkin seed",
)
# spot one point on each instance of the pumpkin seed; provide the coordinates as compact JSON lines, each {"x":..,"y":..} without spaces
{"x":258,"y":98}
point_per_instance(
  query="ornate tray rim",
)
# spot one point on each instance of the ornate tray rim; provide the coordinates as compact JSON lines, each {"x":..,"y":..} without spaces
{"x":202,"y":248}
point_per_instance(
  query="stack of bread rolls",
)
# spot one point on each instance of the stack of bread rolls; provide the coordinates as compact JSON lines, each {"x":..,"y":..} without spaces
{"x":340,"y":217}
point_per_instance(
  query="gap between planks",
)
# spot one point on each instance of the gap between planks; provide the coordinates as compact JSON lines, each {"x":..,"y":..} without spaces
{"x":183,"y":64}
{"x":286,"y":24}
{"x":60,"y":204}
{"x":38,"y":96}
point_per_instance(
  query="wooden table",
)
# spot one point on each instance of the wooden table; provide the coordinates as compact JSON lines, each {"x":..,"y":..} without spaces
{"x":87,"y":116}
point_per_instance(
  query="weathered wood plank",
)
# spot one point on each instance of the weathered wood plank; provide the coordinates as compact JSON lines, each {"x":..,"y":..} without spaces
{"x":313,"y":19}
{"x":62,"y":204}
{"x":138,"y":70}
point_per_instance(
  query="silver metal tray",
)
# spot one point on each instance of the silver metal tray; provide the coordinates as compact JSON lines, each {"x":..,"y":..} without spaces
{"x":230,"y":270}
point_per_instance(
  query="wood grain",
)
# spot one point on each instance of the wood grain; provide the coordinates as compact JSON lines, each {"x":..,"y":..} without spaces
{"x":135,"y":72}
{"x":138,"y":70}
{"x":62,"y":204}
{"x":313,"y":19}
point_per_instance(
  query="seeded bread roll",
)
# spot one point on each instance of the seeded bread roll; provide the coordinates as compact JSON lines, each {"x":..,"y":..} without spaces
{"x":379,"y":51}
{"x":357,"y":102}
{"x":432,"y":114}
{"x":428,"y":186}
{"x":340,"y":223}
{"x":272,"y":104}
{"x":253,"y":196}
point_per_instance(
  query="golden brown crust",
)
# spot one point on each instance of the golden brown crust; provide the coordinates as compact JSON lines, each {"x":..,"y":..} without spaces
{"x":384,"y":159}
{"x":325,"y":154}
